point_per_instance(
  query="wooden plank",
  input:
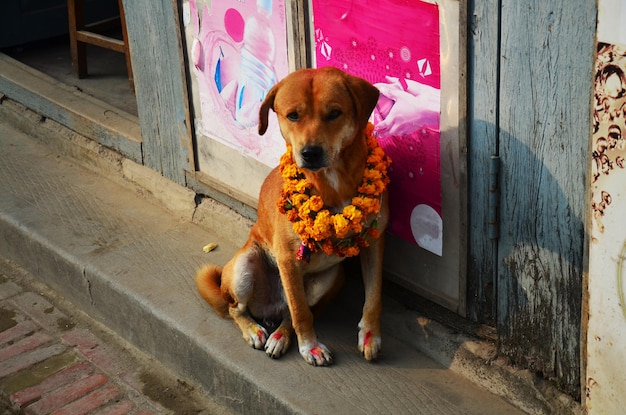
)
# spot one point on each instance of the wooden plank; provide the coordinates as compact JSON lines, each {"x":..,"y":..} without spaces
{"x":443,"y":278}
{"x":223,"y":193}
{"x":545,"y":90}
{"x":99,"y":40}
{"x":298,"y":18}
{"x":154,"y":37}
{"x":482,"y":129}
{"x":68,"y":106}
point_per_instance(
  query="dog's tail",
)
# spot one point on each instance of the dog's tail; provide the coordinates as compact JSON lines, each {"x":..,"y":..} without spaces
{"x":208,"y":281}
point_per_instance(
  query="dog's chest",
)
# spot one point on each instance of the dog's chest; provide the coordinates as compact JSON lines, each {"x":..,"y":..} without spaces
{"x":321,"y":262}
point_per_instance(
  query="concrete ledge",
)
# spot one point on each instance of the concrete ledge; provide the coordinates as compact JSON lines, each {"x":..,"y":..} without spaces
{"x":109,"y":247}
{"x":72,"y":108}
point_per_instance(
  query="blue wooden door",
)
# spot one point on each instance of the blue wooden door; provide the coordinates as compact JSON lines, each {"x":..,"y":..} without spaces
{"x":530,"y":82}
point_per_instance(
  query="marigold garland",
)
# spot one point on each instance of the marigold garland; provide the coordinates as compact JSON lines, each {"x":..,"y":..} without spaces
{"x":342,"y":234}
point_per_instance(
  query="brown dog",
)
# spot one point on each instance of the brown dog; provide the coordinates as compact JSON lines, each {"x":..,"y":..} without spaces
{"x":323,"y":116}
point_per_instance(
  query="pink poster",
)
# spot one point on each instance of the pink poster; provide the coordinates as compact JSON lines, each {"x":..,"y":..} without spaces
{"x":395,"y":45}
{"x":238,"y":52}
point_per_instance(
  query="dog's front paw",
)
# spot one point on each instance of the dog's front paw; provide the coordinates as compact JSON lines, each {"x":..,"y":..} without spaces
{"x":369,"y":344}
{"x":278,"y":343}
{"x":255,"y":336}
{"x":316,"y":354}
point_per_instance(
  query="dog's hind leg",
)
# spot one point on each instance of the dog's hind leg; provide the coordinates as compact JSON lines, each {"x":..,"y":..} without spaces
{"x":239,"y":276}
{"x":253,"y":333}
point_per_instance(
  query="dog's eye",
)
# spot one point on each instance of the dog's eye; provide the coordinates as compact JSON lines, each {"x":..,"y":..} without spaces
{"x":293,"y":116}
{"x":333,"y":115}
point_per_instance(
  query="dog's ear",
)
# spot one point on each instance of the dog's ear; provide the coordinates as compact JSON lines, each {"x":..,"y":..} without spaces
{"x":365,"y":96}
{"x":264,"y":110}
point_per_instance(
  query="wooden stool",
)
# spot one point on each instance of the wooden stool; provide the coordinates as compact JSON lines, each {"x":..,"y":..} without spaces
{"x":82,"y":34}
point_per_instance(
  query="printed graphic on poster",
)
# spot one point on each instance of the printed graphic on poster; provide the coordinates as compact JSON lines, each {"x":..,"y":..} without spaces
{"x":395,"y":45}
{"x":238,"y":51}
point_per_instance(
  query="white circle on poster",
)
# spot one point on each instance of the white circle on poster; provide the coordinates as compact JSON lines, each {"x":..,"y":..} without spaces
{"x":427,"y":228}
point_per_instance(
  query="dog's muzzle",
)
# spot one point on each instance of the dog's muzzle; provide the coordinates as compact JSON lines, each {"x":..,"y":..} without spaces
{"x":313,"y":158}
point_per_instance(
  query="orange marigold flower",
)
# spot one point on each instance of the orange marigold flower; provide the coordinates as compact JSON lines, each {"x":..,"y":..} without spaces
{"x":356,"y":226}
{"x":316,"y":203}
{"x":372,"y":174}
{"x":351,"y":251}
{"x":318,"y":228}
{"x":367,"y":189}
{"x":373,"y":233}
{"x":292,"y":215}
{"x":328,"y":247}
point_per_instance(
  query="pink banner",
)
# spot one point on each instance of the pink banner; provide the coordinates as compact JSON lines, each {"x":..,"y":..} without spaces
{"x":238,"y":52}
{"x":395,"y":45}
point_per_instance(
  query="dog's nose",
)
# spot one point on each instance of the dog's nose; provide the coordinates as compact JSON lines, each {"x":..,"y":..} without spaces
{"x":312,"y":157}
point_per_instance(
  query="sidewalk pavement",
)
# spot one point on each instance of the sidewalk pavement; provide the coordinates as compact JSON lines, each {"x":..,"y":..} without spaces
{"x":57,"y":361}
{"x":129,"y":264}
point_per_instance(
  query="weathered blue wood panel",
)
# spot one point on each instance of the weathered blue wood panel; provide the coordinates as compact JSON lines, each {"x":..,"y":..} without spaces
{"x":158,"y":67}
{"x":483,"y":39}
{"x":547,"y":51}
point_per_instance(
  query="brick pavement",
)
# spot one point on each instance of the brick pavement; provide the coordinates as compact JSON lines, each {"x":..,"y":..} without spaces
{"x":51,"y":362}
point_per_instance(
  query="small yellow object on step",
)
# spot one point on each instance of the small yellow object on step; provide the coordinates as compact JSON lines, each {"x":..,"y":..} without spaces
{"x":208,"y":248}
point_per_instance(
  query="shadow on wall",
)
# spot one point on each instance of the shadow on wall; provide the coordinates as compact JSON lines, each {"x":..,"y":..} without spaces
{"x":540,"y":254}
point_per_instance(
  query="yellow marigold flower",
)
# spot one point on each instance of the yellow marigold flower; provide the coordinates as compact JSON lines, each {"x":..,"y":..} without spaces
{"x":366,"y":204}
{"x":351,"y":251}
{"x":299,"y":227}
{"x":305,"y":210}
{"x":289,"y":171}
{"x":341,"y":225}
{"x":304,"y":213}
{"x":322,"y":226}
{"x":290,"y":187}
{"x":352,"y":213}
{"x":297,"y":200}
{"x":285,"y":159}
{"x":302,"y":185}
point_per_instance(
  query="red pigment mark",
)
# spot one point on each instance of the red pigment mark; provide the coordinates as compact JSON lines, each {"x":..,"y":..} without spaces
{"x":317,"y":352}
{"x":367,"y":339}
{"x":278,"y":335}
{"x":260,"y":334}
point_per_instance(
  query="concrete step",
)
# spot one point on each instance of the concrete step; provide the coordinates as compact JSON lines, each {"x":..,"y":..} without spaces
{"x":129,"y":263}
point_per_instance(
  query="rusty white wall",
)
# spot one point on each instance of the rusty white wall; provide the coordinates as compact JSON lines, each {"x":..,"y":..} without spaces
{"x":606,"y":336}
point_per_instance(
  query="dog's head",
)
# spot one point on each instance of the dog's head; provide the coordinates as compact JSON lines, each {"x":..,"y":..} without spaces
{"x":320,"y":112}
